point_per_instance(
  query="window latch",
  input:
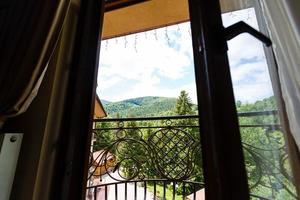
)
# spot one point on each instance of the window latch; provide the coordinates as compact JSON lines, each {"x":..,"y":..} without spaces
{"x":241,"y":27}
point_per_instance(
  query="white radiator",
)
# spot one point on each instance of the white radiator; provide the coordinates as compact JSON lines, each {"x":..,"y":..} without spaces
{"x":9,"y":153}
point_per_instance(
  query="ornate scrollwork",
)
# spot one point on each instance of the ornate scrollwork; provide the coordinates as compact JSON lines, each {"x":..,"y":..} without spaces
{"x":265,"y":161}
{"x":169,"y":149}
{"x":173,"y":148}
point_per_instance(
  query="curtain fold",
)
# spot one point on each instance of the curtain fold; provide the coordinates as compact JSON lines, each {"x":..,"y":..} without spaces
{"x":28,"y":35}
{"x":283,"y":21}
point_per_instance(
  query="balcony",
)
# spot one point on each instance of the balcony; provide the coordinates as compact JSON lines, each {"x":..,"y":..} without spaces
{"x":160,"y":158}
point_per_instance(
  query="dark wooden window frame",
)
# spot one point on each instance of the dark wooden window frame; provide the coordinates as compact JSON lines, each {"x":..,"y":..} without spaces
{"x":223,"y":161}
{"x":224,"y":170}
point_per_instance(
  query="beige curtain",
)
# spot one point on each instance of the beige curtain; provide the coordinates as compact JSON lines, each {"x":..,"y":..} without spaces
{"x":28,"y":35}
{"x":283,"y":21}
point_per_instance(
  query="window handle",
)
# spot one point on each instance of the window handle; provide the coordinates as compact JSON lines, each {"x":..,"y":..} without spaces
{"x":241,"y":27}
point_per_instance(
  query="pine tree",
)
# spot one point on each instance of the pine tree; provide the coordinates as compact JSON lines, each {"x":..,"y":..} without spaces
{"x":184,"y":105}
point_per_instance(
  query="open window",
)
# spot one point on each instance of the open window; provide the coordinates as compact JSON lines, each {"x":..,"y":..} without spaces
{"x":134,"y":145}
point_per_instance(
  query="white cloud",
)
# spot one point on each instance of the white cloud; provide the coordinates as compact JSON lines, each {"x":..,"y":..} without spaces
{"x":244,"y":47}
{"x":142,"y":57}
{"x":139,"y":65}
{"x":251,"y":93}
{"x":144,"y":89}
{"x":146,"y":63}
{"x":110,"y":82}
{"x":251,"y":81}
{"x":246,"y":71}
{"x":250,"y":75}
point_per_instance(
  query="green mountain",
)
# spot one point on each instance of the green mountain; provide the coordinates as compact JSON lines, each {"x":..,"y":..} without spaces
{"x":104,"y":102}
{"x":140,"y":107}
{"x":164,"y":106}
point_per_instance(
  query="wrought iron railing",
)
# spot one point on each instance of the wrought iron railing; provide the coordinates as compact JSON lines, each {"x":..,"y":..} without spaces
{"x":162,"y":155}
{"x":145,"y":189}
{"x":266,"y":160}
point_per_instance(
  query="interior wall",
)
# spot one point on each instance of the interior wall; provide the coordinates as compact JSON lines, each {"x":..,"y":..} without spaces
{"x":41,"y":122}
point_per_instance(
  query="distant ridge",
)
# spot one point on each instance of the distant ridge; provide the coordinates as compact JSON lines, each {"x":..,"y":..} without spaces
{"x":165,"y":106}
{"x":140,"y":107}
{"x":104,"y":102}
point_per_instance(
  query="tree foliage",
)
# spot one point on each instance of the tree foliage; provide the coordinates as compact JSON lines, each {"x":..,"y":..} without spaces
{"x":184,"y":105}
{"x":258,"y":137}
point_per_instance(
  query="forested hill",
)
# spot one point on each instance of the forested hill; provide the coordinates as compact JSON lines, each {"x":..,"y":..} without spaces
{"x":165,"y":106}
{"x":142,"y":106}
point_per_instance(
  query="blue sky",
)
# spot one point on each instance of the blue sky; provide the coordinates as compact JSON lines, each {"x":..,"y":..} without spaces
{"x":160,"y":63}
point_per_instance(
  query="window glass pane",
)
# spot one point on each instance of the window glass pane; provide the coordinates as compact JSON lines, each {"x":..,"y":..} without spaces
{"x":266,"y":158}
{"x":148,"y":146}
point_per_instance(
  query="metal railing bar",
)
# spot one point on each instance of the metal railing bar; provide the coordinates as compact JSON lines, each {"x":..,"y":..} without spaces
{"x":148,"y":180}
{"x":95,"y":193}
{"x":105,"y":192}
{"x":145,"y":190}
{"x":183,"y":191}
{"x":240,"y":114}
{"x":259,"y":125}
{"x":154,"y":186}
{"x":146,"y":127}
{"x":145,"y":118}
{"x":194,"y":191}
{"x":257,"y":113}
{"x":164,"y":190}
{"x":166,"y":126}
{"x":126,"y":191}
{"x":116,"y":191}
{"x":174,"y":190}
{"x":135,"y":190}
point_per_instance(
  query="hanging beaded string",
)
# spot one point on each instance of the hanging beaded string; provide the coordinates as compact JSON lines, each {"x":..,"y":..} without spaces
{"x":167,"y":36}
{"x":248,"y":15}
{"x":106,"y":45}
{"x":125,"y":42}
{"x":178,"y":28}
{"x":231,"y":14}
{"x":155,"y":35}
{"x":135,"y":42}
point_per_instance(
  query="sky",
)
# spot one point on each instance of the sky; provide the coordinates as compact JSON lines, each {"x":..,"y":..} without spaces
{"x":160,"y":63}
